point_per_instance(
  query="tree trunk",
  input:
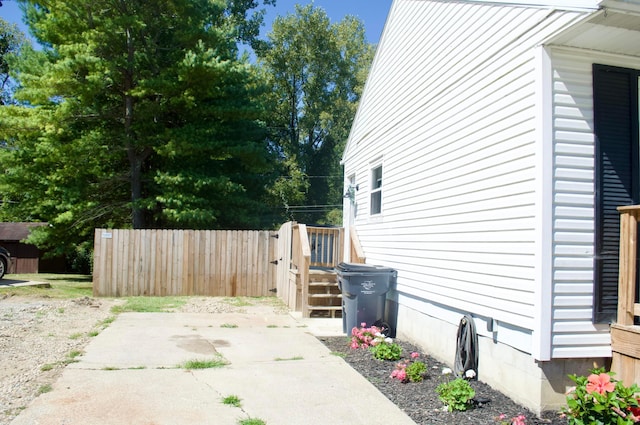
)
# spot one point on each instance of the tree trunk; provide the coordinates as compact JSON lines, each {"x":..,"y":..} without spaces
{"x":135,"y":160}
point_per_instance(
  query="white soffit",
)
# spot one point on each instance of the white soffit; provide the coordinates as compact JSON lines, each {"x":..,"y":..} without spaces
{"x":610,"y":31}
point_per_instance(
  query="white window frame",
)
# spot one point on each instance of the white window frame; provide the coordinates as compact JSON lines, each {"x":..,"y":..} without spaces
{"x":375,"y":194}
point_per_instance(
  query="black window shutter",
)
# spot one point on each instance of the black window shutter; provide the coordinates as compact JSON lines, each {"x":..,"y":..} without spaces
{"x":616,"y":131}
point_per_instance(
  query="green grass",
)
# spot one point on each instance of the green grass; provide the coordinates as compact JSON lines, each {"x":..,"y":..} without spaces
{"x":110,"y":368}
{"x":252,"y":421}
{"x":150,"y":305}
{"x":71,"y":356}
{"x":93,"y":333}
{"x":232,"y":400}
{"x":239,"y":301}
{"x":204,"y":363}
{"x":106,"y":322}
{"x":47,"y":388}
{"x":228,"y":325}
{"x":76,"y":335}
{"x":46,"y":367}
{"x":338,"y":354}
{"x":63,"y":286}
{"x":280,"y":359}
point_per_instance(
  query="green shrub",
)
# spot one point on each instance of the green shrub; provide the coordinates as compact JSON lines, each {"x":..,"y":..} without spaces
{"x":456,"y":394}
{"x":386,"y":351}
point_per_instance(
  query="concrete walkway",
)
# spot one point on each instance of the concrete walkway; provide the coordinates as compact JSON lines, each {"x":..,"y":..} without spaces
{"x":129,"y":374}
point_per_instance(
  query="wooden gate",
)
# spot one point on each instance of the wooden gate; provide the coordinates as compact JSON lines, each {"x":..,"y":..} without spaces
{"x":286,"y":287}
{"x":184,"y":262}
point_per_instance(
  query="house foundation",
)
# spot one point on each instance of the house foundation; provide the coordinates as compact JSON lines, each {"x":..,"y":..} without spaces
{"x":538,"y":386}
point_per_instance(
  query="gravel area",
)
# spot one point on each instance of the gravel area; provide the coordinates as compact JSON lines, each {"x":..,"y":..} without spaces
{"x":420,"y":400}
{"x":39,"y":336}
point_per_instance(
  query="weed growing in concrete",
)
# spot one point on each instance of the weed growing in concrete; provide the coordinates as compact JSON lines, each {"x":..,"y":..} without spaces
{"x":228,"y":325}
{"x":205,"y":364}
{"x":280,"y":359}
{"x":252,"y":421}
{"x":232,"y":400}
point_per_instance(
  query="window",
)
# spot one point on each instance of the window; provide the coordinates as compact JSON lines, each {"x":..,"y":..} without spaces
{"x":376,"y":190}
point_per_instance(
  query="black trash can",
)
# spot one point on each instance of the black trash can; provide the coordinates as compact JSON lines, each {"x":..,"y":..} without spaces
{"x":364,"y":290}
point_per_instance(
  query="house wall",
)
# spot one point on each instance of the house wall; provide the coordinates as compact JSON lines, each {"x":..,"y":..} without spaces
{"x":573,"y":333}
{"x":452,"y":110}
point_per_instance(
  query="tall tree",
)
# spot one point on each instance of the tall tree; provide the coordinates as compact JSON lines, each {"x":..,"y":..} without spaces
{"x":136,"y":113}
{"x":11,"y":41}
{"x":316,"y":70}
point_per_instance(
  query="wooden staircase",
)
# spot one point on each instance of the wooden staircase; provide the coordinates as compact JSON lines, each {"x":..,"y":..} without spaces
{"x":306,"y":268}
{"x":324,"y":298}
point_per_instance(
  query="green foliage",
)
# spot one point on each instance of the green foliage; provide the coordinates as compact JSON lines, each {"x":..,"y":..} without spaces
{"x":599,"y":400}
{"x":386,"y":351}
{"x":456,"y":394}
{"x":416,"y":371}
{"x":134,"y":115}
{"x":11,"y":42}
{"x":316,"y":71}
{"x":232,"y":400}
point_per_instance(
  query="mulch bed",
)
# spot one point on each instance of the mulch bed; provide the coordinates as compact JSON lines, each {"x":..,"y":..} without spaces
{"x":420,"y":401}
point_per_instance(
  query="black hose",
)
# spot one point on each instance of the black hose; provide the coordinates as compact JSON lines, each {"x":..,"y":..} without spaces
{"x":466,"y":348}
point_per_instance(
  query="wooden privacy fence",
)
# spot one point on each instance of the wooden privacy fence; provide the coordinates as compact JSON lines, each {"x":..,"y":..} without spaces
{"x":184,"y":262}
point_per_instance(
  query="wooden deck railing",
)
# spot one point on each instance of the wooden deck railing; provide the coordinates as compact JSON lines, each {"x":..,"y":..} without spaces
{"x":300,"y":261}
{"x":625,"y":336}
{"x":357,"y":253}
{"x":313,"y":247}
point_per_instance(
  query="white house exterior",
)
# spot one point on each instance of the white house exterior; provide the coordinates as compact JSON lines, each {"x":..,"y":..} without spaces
{"x":488,"y":165}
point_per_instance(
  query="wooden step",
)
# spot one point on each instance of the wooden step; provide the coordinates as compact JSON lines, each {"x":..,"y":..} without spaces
{"x":316,"y":283}
{"x":325,"y":295}
{"x":325,"y":311}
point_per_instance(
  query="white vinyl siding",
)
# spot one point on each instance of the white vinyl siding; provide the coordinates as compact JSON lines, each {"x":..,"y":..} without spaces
{"x":451,"y":104}
{"x":573,"y":332}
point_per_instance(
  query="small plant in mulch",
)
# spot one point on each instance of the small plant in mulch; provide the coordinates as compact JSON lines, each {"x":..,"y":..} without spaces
{"x":410,"y":370}
{"x":516,"y":420}
{"x":456,"y":394}
{"x":362,"y":337}
{"x":382,"y":347}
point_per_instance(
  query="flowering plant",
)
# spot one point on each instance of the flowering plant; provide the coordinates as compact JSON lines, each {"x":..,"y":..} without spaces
{"x":599,"y":399}
{"x":363,"y":337}
{"x":410,"y":370}
{"x":516,"y":420}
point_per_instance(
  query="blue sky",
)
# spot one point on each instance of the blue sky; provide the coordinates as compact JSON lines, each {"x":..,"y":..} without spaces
{"x":372,"y":12}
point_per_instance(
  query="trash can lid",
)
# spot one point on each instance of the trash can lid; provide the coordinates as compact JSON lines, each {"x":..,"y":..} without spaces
{"x":362,"y":268}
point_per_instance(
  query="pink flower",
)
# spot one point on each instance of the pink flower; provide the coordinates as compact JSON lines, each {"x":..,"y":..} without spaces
{"x":415,"y":355}
{"x":399,"y":374}
{"x":519,"y":420}
{"x":600,"y":383}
